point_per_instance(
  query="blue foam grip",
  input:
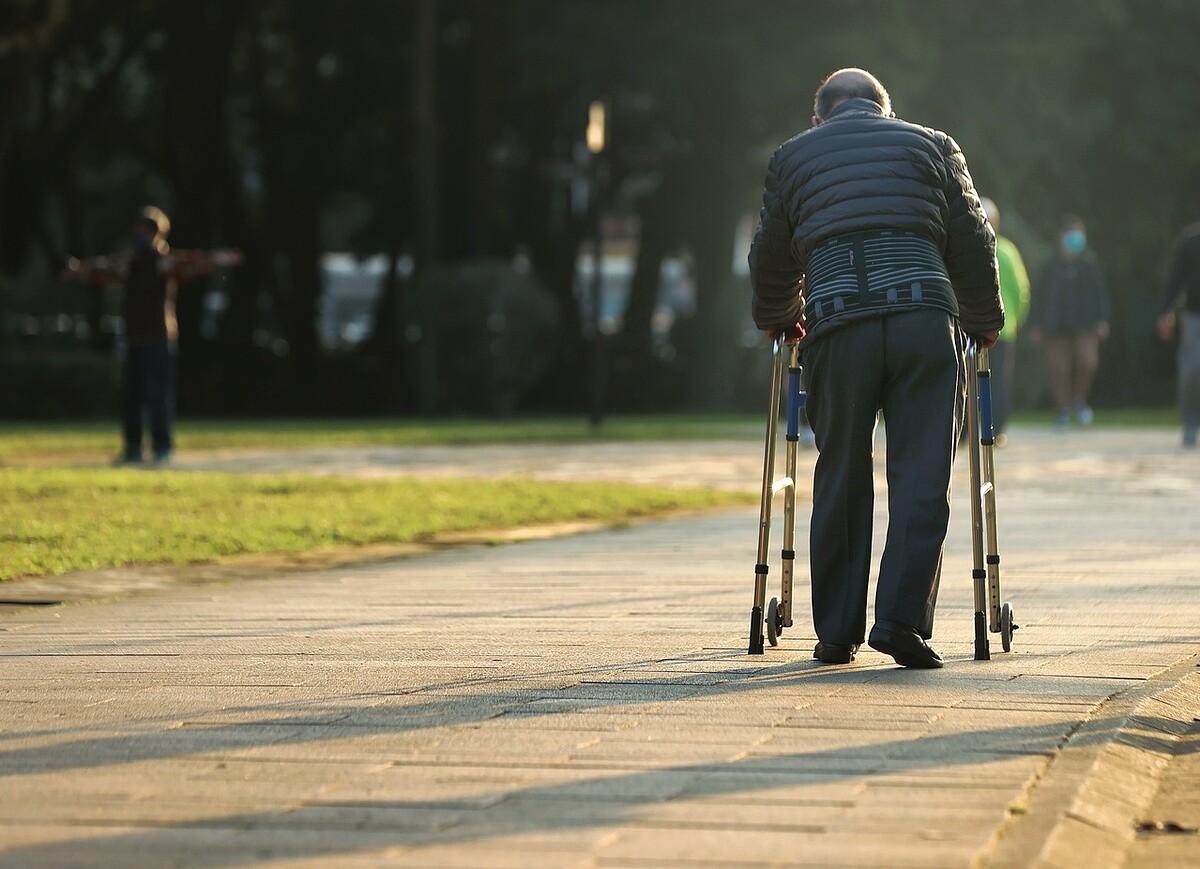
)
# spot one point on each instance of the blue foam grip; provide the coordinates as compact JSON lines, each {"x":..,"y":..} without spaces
{"x":795,"y":400}
{"x":985,"y":408}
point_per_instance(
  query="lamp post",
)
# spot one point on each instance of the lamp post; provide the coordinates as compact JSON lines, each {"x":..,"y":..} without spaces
{"x":596,"y":136}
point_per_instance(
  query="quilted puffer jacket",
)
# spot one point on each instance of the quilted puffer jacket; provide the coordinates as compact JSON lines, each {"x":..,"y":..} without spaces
{"x":861,"y":171}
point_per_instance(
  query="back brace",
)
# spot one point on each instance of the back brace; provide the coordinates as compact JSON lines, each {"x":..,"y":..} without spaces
{"x":875,"y":270}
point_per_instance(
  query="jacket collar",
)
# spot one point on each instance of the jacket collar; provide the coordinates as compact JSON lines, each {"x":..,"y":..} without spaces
{"x":856,"y":105}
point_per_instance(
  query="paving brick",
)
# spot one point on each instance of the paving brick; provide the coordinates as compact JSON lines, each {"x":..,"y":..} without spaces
{"x":579,"y":715}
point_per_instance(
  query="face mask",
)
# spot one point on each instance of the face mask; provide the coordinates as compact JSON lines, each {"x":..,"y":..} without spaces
{"x":1074,"y":241}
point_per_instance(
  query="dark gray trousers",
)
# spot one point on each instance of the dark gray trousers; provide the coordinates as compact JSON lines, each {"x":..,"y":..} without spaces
{"x":912,"y":367}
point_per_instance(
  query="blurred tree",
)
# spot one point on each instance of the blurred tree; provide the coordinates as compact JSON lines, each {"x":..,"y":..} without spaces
{"x":61,"y":73}
{"x":193,"y":62}
{"x":450,"y":130}
{"x":27,"y":28}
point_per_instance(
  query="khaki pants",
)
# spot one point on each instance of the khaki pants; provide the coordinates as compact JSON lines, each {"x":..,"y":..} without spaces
{"x":1071,"y":361}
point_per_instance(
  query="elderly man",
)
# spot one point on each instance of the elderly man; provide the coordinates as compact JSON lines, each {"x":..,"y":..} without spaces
{"x":877,"y":220}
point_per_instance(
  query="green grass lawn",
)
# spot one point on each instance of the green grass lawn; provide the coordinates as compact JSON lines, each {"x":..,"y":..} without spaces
{"x":23,"y":443}
{"x":94,"y":441}
{"x":1113,"y":417}
{"x":55,"y":517}
{"x":59,"y":512}
{"x":55,"y":520}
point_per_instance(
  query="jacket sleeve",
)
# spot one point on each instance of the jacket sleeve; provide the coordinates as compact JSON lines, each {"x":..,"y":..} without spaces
{"x":970,"y":248}
{"x":774,"y":273}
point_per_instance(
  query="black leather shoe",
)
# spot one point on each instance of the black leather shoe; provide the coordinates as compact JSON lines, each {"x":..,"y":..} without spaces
{"x":905,"y":645}
{"x":835,"y":653}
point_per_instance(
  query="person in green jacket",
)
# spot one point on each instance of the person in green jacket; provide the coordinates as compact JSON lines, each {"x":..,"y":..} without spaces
{"x":1014,"y":289}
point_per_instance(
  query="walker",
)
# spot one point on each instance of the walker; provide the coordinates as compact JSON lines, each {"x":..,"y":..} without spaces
{"x":776,"y":614}
{"x":985,"y":574}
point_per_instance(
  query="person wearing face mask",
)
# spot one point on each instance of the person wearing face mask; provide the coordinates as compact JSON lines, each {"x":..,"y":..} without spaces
{"x":1068,"y":315}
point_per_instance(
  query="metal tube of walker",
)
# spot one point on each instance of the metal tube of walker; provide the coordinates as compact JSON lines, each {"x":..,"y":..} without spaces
{"x":795,"y":397}
{"x":987,"y":444}
{"x":978,"y":571}
{"x":761,"y":568}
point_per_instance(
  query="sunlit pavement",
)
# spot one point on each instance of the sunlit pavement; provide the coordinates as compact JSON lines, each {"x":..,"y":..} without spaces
{"x":588,"y":700}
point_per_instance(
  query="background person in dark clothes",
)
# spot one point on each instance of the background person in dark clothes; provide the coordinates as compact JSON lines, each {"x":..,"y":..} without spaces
{"x":147,"y":393}
{"x":1183,"y":288}
{"x":149,"y":275}
{"x":880,"y":219}
{"x":1068,"y":314}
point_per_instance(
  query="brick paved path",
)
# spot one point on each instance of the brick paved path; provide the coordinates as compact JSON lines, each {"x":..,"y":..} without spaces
{"x":588,"y":701}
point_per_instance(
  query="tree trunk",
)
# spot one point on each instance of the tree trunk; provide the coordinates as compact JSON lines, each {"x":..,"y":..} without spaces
{"x":295,"y":184}
{"x":638,"y":376}
{"x":426,"y":164}
{"x":708,"y":341}
{"x":197,"y":161}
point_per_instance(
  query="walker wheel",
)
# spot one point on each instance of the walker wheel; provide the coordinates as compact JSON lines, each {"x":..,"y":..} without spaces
{"x":774,"y":618}
{"x":1006,"y":627}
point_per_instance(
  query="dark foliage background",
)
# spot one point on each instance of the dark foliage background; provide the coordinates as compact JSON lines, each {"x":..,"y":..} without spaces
{"x":445,"y":134}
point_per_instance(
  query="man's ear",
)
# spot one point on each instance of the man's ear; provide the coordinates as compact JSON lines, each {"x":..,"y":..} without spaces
{"x":816,"y":122}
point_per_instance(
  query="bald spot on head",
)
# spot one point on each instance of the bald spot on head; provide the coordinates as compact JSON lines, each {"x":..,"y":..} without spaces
{"x":846,"y":84}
